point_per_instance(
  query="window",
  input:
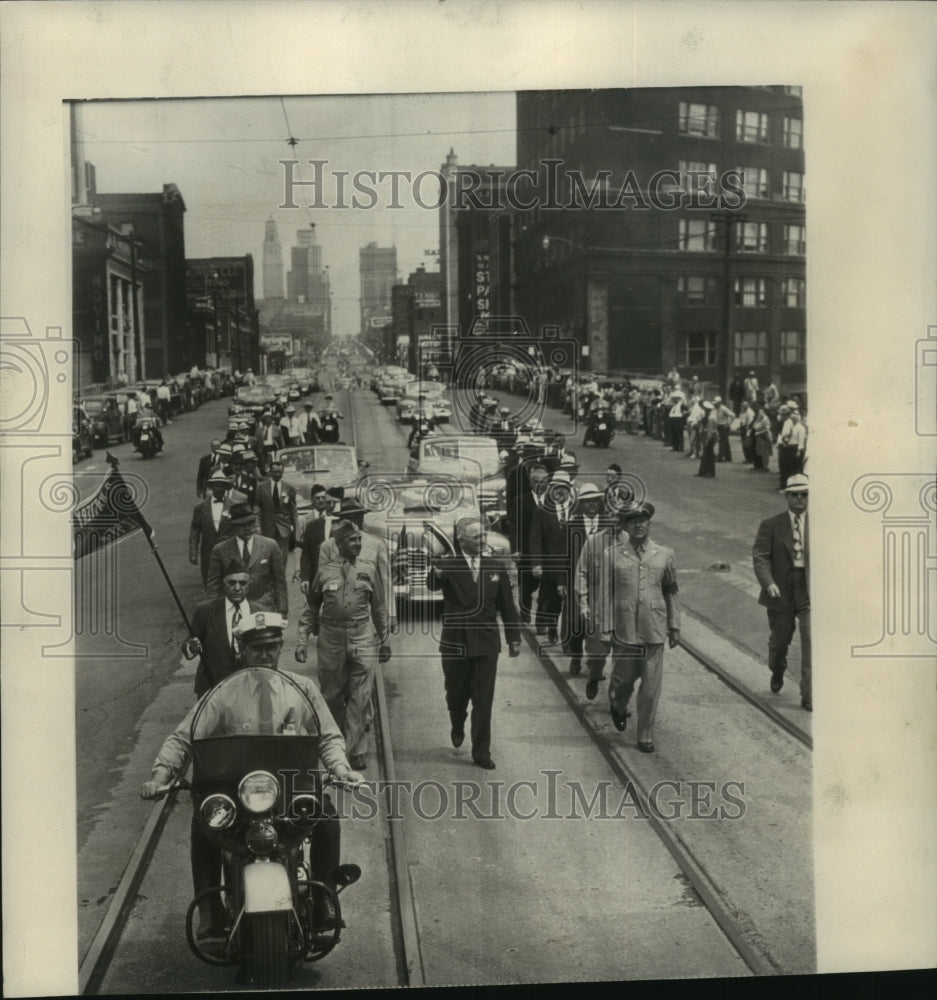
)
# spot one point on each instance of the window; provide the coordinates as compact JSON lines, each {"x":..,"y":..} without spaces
{"x":697,"y":235}
{"x":697,"y":183}
{"x":795,"y":239}
{"x":792,"y":347}
{"x":751,"y":126}
{"x":697,"y":347}
{"x":754,"y":181}
{"x":699,"y":119}
{"x":793,"y":91}
{"x":696,"y":290}
{"x":793,"y":133}
{"x":751,"y":349}
{"x":794,"y":293}
{"x":793,"y":186}
{"x":753,"y":237}
{"x":751,"y":292}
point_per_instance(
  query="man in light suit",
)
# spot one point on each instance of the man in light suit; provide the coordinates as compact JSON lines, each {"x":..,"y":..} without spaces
{"x":476,"y":589}
{"x":211,"y":521}
{"x":261,"y":556}
{"x":277,"y":503}
{"x":627,"y":590}
{"x":781,"y":558}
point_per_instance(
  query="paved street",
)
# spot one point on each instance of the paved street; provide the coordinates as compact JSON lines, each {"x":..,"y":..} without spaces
{"x":497,"y":900}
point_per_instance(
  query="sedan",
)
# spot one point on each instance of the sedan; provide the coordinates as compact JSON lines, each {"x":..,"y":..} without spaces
{"x":417,"y":523}
{"x":82,"y":434}
{"x":107,"y":420}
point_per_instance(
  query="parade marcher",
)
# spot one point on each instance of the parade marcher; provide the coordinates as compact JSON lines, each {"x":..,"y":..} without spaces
{"x":289,"y":427}
{"x":212,"y":635}
{"x":309,"y":426}
{"x":761,"y":438}
{"x":244,"y":476}
{"x":550,"y":551}
{"x":589,"y":517}
{"x":236,"y":709}
{"x":319,"y":530}
{"x":736,"y":392}
{"x":267,"y":442}
{"x":260,"y":555}
{"x":521,"y":516}
{"x":329,"y":417}
{"x":627,"y":590}
{"x":724,"y":417}
{"x":792,"y":441}
{"x":709,"y":437}
{"x":211,"y":521}
{"x":347,"y":609}
{"x":751,"y":388}
{"x":277,"y":503}
{"x":781,"y":559}
{"x":208,"y":464}
{"x":163,"y":401}
{"x":746,"y":415}
{"x":476,"y":589}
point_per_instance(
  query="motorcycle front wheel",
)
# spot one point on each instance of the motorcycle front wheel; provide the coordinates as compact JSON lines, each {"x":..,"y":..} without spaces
{"x":269,"y":950}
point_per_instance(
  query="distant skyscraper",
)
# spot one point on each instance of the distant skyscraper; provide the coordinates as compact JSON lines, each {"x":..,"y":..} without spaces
{"x":273,"y":263}
{"x":378,"y":270}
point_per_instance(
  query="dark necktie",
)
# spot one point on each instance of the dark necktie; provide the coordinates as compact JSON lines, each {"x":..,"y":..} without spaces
{"x":276,"y":497}
{"x":798,"y":541}
{"x":235,"y":619}
{"x":246,"y":554}
{"x":473,"y":563}
{"x":265,"y":707}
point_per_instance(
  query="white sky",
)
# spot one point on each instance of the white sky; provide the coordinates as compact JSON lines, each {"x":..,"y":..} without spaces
{"x":222,"y":154}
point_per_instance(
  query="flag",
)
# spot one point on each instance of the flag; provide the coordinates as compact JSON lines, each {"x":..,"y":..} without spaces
{"x":107,"y":516}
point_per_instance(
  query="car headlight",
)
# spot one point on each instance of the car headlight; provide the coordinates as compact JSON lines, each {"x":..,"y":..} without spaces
{"x":218,"y":811}
{"x":258,"y":791}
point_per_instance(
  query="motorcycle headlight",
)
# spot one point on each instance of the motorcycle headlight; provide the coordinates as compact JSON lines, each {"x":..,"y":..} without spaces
{"x":305,"y":810}
{"x":258,"y":791}
{"x":218,"y":811}
{"x":261,"y":837}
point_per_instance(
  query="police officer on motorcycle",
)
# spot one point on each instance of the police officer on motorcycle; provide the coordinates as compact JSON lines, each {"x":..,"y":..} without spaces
{"x":151,"y":426}
{"x":328,"y":419}
{"x":238,"y":708}
{"x":423,"y":422}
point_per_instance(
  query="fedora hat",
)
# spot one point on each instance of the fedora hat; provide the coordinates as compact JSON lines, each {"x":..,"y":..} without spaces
{"x":350,"y":506}
{"x":241,"y":513}
{"x":218,"y":479}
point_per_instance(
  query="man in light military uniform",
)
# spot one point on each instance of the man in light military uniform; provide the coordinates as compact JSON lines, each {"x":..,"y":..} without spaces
{"x":627,"y":590}
{"x":347,"y":609}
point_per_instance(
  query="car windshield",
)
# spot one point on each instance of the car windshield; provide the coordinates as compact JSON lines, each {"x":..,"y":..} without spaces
{"x":318,"y":460}
{"x":254,"y":393}
{"x":482,"y":451}
{"x":437,"y":498}
{"x":93,"y":405}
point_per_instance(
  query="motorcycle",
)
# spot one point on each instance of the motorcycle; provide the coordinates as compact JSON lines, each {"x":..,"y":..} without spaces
{"x":147,"y":439}
{"x":599,"y":429}
{"x":258,"y":800}
{"x":329,"y":433}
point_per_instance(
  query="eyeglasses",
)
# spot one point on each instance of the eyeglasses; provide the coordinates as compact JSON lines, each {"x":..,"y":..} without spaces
{"x":791,"y":493}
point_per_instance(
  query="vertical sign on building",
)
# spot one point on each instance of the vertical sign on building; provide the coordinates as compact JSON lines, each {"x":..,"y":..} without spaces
{"x":482,"y":284}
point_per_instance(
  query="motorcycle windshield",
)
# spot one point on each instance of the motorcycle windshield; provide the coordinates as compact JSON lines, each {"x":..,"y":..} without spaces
{"x":256,"y":719}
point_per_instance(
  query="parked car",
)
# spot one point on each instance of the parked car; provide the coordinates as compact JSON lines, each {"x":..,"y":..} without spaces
{"x":391,"y":385}
{"x":82,"y":434}
{"x":470,"y":458}
{"x":107,"y":419}
{"x":419,"y":525}
{"x":332,"y":465}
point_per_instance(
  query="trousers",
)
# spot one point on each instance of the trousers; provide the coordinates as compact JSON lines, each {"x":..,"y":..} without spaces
{"x":471,"y":679}
{"x":630,"y":663}
{"x":347,"y":657}
{"x":781,"y":622}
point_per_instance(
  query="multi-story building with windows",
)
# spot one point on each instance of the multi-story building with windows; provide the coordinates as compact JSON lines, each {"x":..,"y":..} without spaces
{"x":377,"y":267}
{"x":668,"y":228}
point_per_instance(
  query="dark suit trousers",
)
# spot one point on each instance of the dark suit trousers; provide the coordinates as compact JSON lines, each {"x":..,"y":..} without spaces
{"x":782,"y":623}
{"x":472,"y":679}
{"x":725,"y":448}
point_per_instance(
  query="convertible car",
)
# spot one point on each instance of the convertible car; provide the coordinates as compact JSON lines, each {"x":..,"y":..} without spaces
{"x":467,"y":457}
{"x":332,"y":465}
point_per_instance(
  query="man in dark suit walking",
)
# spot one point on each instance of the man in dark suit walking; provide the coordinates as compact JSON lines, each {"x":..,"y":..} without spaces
{"x":781,"y":558}
{"x":267,"y":441}
{"x":207,"y":464}
{"x":261,"y":556}
{"x":211,"y":521}
{"x":277,"y":503}
{"x":521,"y":513}
{"x":550,"y":551}
{"x":476,"y":589}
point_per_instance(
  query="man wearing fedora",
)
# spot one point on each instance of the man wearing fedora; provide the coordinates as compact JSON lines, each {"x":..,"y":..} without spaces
{"x":211,"y":521}
{"x":207,"y":464}
{"x":781,"y":558}
{"x":261,"y":556}
{"x":627,"y":590}
{"x":549,"y":549}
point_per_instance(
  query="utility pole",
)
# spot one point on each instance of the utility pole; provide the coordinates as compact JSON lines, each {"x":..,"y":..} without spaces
{"x":135,"y":312}
{"x":728,"y":219}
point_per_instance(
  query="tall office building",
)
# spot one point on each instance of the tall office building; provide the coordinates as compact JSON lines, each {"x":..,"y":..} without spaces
{"x":273,"y":262}
{"x":377,"y":267}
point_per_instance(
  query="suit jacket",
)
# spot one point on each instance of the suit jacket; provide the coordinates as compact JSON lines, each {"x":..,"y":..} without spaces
{"x":218,"y":658}
{"x":313,"y":537}
{"x":276,"y":523}
{"x":521,"y":518}
{"x":635,"y":598}
{"x":202,"y":534}
{"x":207,"y":464}
{"x":577,"y":532}
{"x":260,"y":449}
{"x":471,"y":608}
{"x":773,"y":557}
{"x":549,"y":543}
{"x":267,"y":589}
